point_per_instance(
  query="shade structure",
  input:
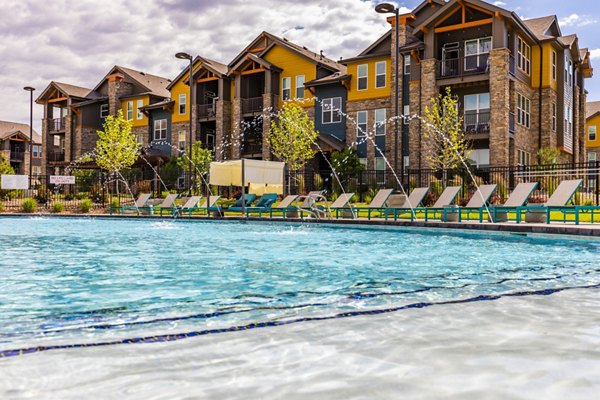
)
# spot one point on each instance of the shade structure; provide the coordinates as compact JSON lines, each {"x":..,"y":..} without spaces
{"x":261,"y":176}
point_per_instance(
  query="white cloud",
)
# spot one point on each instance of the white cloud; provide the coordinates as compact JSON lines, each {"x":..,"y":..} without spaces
{"x":576,"y":20}
{"x":77,"y":42}
{"x":595,"y":53}
{"x":499,"y":3}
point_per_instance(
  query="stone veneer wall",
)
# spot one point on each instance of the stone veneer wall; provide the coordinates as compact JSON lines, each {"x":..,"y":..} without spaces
{"x":500,"y":98}
{"x":429,"y":90}
{"x":175,"y":128}
{"x":549,"y":138}
{"x":223,"y":130}
{"x":143,"y":132}
{"x":266,"y":124}
{"x":116,"y":89}
{"x":414,"y":131}
{"x":236,"y":129}
{"x":352,"y":107}
{"x":526,"y":139}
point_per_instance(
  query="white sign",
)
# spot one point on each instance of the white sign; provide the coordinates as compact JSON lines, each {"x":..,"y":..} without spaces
{"x":62,"y":180}
{"x":11,"y":182}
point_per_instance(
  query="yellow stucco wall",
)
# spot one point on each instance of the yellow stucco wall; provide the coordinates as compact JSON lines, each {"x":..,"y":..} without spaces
{"x":133,"y":100}
{"x":592,"y":143}
{"x":547,"y":80}
{"x":371,"y":92}
{"x":178,"y":88}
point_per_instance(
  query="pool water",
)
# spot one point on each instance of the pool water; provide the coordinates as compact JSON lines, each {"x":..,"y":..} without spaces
{"x":66,"y":281}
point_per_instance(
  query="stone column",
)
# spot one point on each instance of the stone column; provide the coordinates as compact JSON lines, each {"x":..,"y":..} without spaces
{"x":235,"y":131}
{"x":414,"y":134}
{"x":500,"y":100}
{"x":391,"y":137}
{"x":68,"y":137}
{"x":268,"y":107}
{"x":429,"y":90}
{"x":580,"y":140}
{"x":549,"y":97}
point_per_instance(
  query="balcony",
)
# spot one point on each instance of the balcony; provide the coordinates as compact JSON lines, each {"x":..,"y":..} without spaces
{"x":463,"y":66}
{"x":477,"y":124}
{"x":251,"y":148}
{"x":56,"y":156}
{"x":56,"y":125}
{"x":207,"y":111}
{"x":17,"y":156}
{"x":252,"y":105}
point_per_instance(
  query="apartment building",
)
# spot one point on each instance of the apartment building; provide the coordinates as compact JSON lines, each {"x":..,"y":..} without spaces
{"x":17,"y":148}
{"x":592,"y":140}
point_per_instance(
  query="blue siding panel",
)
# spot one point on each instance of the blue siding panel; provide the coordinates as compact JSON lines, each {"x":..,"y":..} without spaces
{"x":329,"y":91}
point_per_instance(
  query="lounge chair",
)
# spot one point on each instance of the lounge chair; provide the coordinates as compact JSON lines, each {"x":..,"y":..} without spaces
{"x":400,"y":204}
{"x":283,"y":207}
{"x":557,"y":202}
{"x":341,"y":204}
{"x":167,"y":204}
{"x":308,"y":201}
{"x":265,"y":202}
{"x":477,"y":203}
{"x":187,"y":205}
{"x":517,"y":198}
{"x":247,"y":198}
{"x":141,"y":201}
{"x":446,"y":199}
{"x":212,"y":200}
{"x":377,"y":203}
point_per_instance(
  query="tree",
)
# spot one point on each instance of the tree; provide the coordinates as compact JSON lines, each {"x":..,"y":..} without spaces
{"x":292,"y":136}
{"x":5,"y":169}
{"x":445,"y":134}
{"x":201,"y":159}
{"x":547,"y":155}
{"x":345,"y":163}
{"x":117,"y":148}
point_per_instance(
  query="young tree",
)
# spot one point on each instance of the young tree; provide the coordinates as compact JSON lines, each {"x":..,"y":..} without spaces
{"x":292,"y":136}
{"x":444,"y":133}
{"x":547,"y":155}
{"x":201,"y":159}
{"x":346,"y":163}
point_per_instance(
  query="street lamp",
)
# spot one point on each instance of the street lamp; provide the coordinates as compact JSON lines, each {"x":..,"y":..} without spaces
{"x":387,"y":8}
{"x":30,"y":90}
{"x":186,"y":56}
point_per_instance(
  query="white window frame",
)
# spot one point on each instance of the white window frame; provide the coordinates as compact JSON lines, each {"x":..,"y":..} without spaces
{"x":566,"y":69}
{"x":554,"y":65}
{"x":479,"y":51}
{"x":328,"y":107}
{"x":378,"y":74}
{"x":286,"y":88}
{"x":362,"y":77}
{"x":129,"y":110}
{"x":406,"y":114}
{"x":380,"y":122}
{"x":590,"y":133}
{"x":140,"y":104}
{"x":160,"y":128}
{"x":179,"y":141}
{"x":362,"y":128}
{"x":182,"y":103}
{"x":570,"y":73}
{"x":523,"y":56}
{"x":523,"y":111}
{"x":407,"y":65}
{"x":104,"y":110}
{"x":380,"y":168}
{"x":592,"y":156}
{"x":139,"y":139}
{"x":523,"y":157}
{"x":554,"y":117}
{"x":300,"y":86}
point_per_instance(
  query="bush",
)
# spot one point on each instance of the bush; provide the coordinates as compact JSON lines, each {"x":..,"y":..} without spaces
{"x":58,"y":207}
{"x":81,"y":196}
{"x":436,"y":187}
{"x":1,"y":207}
{"x":42,"y":196}
{"x":85,"y":206}
{"x":29,"y":205}
{"x":114,"y":203}
{"x":69,"y":197}
{"x":318,"y":182}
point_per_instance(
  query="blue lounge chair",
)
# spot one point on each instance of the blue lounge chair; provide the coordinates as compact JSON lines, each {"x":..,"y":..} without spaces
{"x":263,"y":204}
{"x":247,"y":198}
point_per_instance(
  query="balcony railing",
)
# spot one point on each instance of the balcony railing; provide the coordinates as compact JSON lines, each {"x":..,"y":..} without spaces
{"x":17,"y":156}
{"x":252,"y":105}
{"x":477,"y":122}
{"x":251,"y":148}
{"x":463,"y":66}
{"x":56,"y":156}
{"x":56,"y":125}
{"x":207,"y":111}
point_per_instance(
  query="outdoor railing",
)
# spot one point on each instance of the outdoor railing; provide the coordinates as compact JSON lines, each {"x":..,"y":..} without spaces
{"x":17,"y":156}
{"x":56,"y":156}
{"x":252,"y":105}
{"x":477,"y":122}
{"x":462,"y":66}
{"x":206,"y":111}
{"x":57,"y":125}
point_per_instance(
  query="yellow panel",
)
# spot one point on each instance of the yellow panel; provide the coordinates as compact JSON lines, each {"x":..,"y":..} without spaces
{"x":293,"y":65}
{"x":181,"y":88}
{"x":547,"y":80}
{"x":371,"y":92}
{"x":134,"y":100}
{"x":593,"y":143}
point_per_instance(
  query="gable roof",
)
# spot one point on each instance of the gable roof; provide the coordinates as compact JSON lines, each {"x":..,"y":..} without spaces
{"x":376,"y":43}
{"x":156,"y":85}
{"x":591,"y":109}
{"x":426,"y":3}
{"x":9,"y":128}
{"x":333,"y":78}
{"x":540,"y":26}
{"x":67,"y":89}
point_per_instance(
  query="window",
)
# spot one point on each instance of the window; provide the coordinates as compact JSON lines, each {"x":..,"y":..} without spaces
{"x":56,"y":140}
{"x":160,"y":129}
{"x":570,"y":73}
{"x":554,"y":65}
{"x":139,"y":139}
{"x":523,"y":110}
{"x":36,"y":151}
{"x":380,"y":168}
{"x":591,"y":133}
{"x":361,"y":124}
{"x":523,"y":157}
{"x":129,"y":110}
{"x":380,"y":74}
{"x":210,"y":141}
{"x":477,"y":112}
{"x":286,"y":88}
{"x":380,"y":122}
{"x":103,"y":110}
{"x":300,"y":87}
{"x":363,"y":72}
{"x":477,"y":54}
{"x":406,"y":114}
{"x":592,"y":156}
{"x":140,"y":104}
{"x":523,"y":56}
{"x":182,"y":103}
{"x":407,"y":65}
{"x":181,"y":140}
{"x":331,"y":110}
{"x":553,"y":117}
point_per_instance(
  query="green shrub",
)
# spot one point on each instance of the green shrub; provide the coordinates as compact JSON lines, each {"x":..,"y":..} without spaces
{"x":81,"y":196}
{"x":318,"y":182}
{"x":586,"y":202}
{"x":85,"y":206}
{"x":1,"y":207}
{"x":114,"y":203}
{"x":29,"y":205}
{"x":58,"y":207}
{"x":42,"y":196}
{"x":436,"y":187}
{"x":69,"y":197}
{"x":501,"y":189}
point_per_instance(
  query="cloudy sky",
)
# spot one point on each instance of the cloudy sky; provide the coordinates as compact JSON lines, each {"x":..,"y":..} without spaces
{"x":77,"y":41}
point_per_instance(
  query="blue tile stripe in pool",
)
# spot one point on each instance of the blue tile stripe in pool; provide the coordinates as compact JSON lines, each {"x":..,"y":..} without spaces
{"x":256,"y":325}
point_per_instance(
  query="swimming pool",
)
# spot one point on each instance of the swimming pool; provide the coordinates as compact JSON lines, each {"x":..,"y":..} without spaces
{"x":67,"y":281}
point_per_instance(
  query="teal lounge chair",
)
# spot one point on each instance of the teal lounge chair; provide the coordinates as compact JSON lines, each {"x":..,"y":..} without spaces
{"x":446,"y":199}
{"x":247,"y":198}
{"x":340,"y":205}
{"x":202,"y":208}
{"x":167,"y":204}
{"x":557,"y":202}
{"x":517,"y":198}
{"x":476,"y":204}
{"x":265,"y":202}
{"x":141,"y":201}
{"x":377,"y":203}
{"x":399,"y":204}
{"x":283,"y":207}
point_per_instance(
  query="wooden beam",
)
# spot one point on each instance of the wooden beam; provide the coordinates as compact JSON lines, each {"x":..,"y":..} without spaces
{"x":415,"y":55}
{"x":498,"y":15}
{"x":450,"y":13}
{"x":209,"y":79}
{"x":464,"y":12}
{"x":56,"y":100}
{"x":253,"y":71}
{"x":483,"y":10}
{"x":464,"y":26}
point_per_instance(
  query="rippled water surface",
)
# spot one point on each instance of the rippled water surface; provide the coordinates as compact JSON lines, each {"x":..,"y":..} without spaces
{"x":86,"y":280}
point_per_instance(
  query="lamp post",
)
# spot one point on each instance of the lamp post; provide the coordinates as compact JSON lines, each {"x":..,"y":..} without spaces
{"x":387,"y":8}
{"x":30,"y":90}
{"x":186,"y":56}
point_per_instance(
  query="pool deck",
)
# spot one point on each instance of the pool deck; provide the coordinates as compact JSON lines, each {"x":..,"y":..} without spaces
{"x":554,"y":228}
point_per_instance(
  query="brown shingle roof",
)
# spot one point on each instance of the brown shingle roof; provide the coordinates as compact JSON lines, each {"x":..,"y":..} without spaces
{"x":72,"y":90}
{"x":155,"y":84}
{"x":568,"y":40}
{"x":9,"y":128}
{"x":539,"y":26}
{"x":591,"y":108}
{"x":335,"y":77}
